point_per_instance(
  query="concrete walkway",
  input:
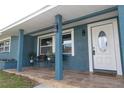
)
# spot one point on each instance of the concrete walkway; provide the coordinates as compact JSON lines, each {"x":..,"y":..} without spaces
{"x":42,"y":86}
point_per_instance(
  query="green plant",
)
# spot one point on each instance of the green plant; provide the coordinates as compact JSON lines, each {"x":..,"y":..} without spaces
{"x":9,"y":80}
{"x":50,"y":56}
{"x":32,"y":55}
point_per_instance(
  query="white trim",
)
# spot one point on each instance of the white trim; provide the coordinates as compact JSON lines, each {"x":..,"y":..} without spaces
{"x":42,"y":36}
{"x":9,"y":44}
{"x":72,"y":38}
{"x":117,"y":48}
{"x":67,"y":31}
{"x":46,"y":35}
{"x":38,"y":46}
{"x":116,"y":43}
{"x":90,"y":49}
{"x":5,"y":39}
{"x":53,"y":41}
{"x":2,"y":40}
{"x":53,"y":38}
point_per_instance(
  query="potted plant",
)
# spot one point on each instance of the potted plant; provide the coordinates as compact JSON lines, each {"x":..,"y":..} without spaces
{"x":50,"y":56}
{"x":32,"y":56}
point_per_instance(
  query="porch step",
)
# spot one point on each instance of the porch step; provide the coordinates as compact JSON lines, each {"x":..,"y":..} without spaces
{"x":105,"y":73}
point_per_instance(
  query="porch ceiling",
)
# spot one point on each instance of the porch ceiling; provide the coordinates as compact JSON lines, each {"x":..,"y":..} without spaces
{"x":47,"y":18}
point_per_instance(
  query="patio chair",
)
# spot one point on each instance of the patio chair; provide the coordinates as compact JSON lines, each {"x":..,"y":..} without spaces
{"x":51,"y":60}
{"x":41,"y":59}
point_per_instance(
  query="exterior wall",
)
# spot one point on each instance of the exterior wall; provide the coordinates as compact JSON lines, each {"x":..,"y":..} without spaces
{"x":10,"y":55}
{"x":28,"y":47}
{"x":80,"y":60}
{"x":121,"y":33}
{"x":35,"y":44}
{"x":8,"y":64}
{"x":13,"y":49}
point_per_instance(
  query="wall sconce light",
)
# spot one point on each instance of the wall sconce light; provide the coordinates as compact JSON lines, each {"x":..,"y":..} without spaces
{"x":83,"y":32}
{"x":55,"y":27}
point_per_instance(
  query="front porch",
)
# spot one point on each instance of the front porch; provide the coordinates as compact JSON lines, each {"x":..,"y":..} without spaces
{"x":68,"y":35}
{"x":46,"y":77}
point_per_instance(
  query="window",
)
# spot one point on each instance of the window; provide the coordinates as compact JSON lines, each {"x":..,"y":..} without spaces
{"x":102,"y":41}
{"x":5,"y":46}
{"x":46,"y":43}
{"x":45,"y":46}
{"x":1,"y":47}
{"x":67,"y":43}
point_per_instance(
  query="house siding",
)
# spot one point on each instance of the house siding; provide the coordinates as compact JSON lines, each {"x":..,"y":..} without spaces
{"x":28,"y":47}
{"x":10,"y":55}
{"x":121,"y":33}
{"x":13,"y":49}
{"x":80,"y":60}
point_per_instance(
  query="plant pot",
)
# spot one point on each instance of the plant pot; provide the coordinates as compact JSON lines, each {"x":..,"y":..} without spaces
{"x":48,"y":58}
{"x":31,"y":61}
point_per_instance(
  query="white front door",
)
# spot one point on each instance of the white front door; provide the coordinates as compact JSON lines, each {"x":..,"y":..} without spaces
{"x":103,"y":47}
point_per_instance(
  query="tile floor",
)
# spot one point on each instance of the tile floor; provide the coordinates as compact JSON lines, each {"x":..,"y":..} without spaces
{"x":71,"y":79}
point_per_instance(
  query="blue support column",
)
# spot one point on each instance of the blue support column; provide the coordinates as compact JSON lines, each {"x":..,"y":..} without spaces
{"x":58,"y":49}
{"x":121,"y":32}
{"x":20,"y":50}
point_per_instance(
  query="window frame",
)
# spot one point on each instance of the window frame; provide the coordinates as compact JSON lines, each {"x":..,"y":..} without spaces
{"x":40,"y":46}
{"x":4,"y":46}
{"x":71,"y":31}
{"x":64,"y":53}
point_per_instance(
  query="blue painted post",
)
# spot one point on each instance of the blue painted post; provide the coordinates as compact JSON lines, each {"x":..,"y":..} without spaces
{"x":20,"y":50}
{"x":58,"y":48}
{"x":121,"y":32}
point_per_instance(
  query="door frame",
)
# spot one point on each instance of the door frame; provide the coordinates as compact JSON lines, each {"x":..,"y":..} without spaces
{"x":116,"y":43}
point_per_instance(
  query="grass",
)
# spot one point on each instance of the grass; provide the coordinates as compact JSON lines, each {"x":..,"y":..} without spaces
{"x":8,"y":80}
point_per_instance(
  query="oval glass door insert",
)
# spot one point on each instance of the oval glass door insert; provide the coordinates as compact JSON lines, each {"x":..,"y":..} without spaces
{"x":102,"y":41}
